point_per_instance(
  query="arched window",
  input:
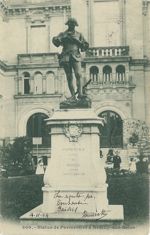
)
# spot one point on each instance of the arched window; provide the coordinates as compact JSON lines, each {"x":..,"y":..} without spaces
{"x":120,"y":73}
{"x":107,"y":74}
{"x":36,"y":127}
{"x":111,"y":134}
{"x":94,"y":71}
{"x":50,"y":83}
{"x":26,"y":80}
{"x":38,"y":84}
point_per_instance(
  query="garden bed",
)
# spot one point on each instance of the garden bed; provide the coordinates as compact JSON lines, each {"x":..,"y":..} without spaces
{"x":133,"y":193}
{"x":21,"y":194}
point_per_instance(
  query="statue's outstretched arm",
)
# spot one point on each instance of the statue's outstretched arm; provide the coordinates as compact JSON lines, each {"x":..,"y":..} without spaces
{"x":57,"y":41}
{"x":84,"y":43}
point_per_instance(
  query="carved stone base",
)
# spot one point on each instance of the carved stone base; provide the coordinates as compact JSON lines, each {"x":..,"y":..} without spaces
{"x":38,"y":216}
{"x":72,"y":103}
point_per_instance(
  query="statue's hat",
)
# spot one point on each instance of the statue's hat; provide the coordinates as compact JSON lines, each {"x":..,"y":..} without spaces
{"x":73,"y":20}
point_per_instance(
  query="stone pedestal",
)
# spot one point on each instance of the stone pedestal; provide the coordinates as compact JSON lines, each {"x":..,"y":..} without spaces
{"x":75,"y":179}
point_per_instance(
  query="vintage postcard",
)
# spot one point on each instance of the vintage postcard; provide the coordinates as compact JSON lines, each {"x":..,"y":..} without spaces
{"x":75,"y":117}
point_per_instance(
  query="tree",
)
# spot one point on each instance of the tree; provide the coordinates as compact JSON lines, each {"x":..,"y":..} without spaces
{"x":16,"y":158}
{"x":5,"y":161}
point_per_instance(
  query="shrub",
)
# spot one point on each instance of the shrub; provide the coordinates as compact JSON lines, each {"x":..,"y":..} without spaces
{"x":16,"y":158}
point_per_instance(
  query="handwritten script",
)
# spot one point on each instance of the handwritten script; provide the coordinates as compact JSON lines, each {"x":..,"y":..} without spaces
{"x":101,"y":214}
{"x":72,"y":201}
{"x":77,"y":202}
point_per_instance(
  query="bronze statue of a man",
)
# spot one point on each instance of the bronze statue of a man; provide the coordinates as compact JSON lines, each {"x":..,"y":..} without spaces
{"x":70,"y":59}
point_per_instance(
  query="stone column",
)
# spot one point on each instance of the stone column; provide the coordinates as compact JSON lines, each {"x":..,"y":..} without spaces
{"x":76,"y":8}
{"x":64,"y":17}
{"x":16,"y":85}
{"x":55,"y":84}
{"x":20,"y":86}
{"x":127,"y":76}
{"x":44,"y":84}
{"x":90,"y":23}
{"x":100,"y":77}
{"x":32,"y":85}
{"x":114,"y":75}
{"x":59,"y":80}
{"x":122,"y":7}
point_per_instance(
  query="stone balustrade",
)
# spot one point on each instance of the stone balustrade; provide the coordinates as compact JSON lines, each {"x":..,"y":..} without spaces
{"x":113,"y":80}
{"x":108,"y":51}
{"x":44,"y":58}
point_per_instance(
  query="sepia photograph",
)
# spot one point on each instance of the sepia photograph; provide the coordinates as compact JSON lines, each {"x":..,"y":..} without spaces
{"x":74,"y":117}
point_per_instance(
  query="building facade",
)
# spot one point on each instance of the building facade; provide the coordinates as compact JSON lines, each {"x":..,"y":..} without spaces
{"x":118,"y":63}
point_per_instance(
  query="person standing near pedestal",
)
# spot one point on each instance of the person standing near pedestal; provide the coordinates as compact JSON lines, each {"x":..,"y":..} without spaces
{"x":40,"y":167}
{"x":132,"y":165}
{"x":110,"y":156}
{"x":70,"y":59}
{"x":117,"y":161}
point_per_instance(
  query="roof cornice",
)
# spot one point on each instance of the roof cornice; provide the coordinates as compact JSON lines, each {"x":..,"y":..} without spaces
{"x":5,"y":67}
{"x":15,"y":8}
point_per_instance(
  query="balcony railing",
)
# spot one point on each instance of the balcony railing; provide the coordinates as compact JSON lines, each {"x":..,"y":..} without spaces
{"x":46,"y":58}
{"x":108,"y":51}
{"x":113,"y":81}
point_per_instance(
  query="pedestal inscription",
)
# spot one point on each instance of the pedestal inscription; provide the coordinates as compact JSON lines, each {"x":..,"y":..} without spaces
{"x":72,"y":163}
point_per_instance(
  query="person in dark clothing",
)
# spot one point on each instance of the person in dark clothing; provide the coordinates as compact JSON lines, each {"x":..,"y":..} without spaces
{"x":142,"y":165}
{"x":109,"y":160}
{"x":117,"y":160}
{"x":101,"y":154}
{"x":110,"y":156}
